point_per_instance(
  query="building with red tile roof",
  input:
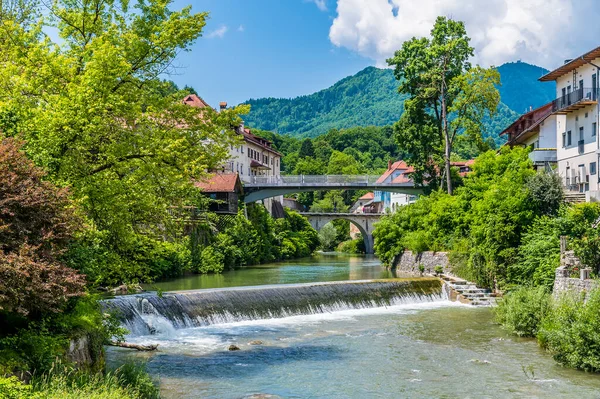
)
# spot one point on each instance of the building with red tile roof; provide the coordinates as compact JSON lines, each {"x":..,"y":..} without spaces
{"x":224,"y":189}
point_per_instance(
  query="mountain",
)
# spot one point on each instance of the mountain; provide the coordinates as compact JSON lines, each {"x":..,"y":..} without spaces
{"x":520,"y":88}
{"x":371,"y":98}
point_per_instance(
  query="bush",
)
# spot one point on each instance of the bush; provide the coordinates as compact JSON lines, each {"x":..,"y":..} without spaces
{"x":571,"y":331}
{"x":211,"y":261}
{"x":129,"y":381}
{"x":140,"y":259}
{"x":13,"y":388}
{"x":356,"y":246}
{"x":539,"y":254}
{"x":521,"y":311}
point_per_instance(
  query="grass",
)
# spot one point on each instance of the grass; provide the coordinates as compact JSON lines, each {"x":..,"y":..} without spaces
{"x":130,"y":381}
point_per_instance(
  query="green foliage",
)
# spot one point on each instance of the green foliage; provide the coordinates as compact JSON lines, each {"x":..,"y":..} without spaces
{"x":211,"y":261}
{"x":482,"y":225}
{"x":356,"y":246}
{"x":105,"y":124}
{"x":438,"y":270}
{"x":521,"y":311}
{"x":539,"y":254}
{"x":327,"y":237}
{"x":307,"y":149}
{"x":139,"y":258}
{"x":546,"y":191}
{"x":13,"y":388}
{"x":258,"y":239}
{"x":370,"y":97}
{"x":130,"y":381}
{"x":447,"y":97}
{"x":571,"y":331}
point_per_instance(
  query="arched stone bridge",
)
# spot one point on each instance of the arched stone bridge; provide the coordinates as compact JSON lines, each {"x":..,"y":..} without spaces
{"x":262,"y":187}
{"x":364,"y":222}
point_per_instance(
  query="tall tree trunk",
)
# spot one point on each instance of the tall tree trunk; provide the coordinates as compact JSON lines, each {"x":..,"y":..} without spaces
{"x":447,"y":140}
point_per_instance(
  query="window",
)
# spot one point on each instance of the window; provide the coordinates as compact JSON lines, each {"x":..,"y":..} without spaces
{"x":242,"y":149}
{"x":594,"y":127}
{"x":593,"y":168}
{"x":568,"y":138}
{"x":564,"y":140}
{"x":581,"y":133}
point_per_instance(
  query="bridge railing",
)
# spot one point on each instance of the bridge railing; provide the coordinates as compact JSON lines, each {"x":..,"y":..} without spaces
{"x":314,"y":179}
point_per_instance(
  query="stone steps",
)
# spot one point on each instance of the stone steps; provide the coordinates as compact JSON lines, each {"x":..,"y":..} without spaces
{"x":468,"y":292}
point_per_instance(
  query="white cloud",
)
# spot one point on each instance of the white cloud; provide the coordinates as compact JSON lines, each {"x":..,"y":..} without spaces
{"x":218,"y":33}
{"x":321,"y":4}
{"x":240,"y":28}
{"x":543,"y":32}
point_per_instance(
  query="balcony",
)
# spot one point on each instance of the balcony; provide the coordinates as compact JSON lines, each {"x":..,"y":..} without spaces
{"x":542,"y":156}
{"x":577,"y":99}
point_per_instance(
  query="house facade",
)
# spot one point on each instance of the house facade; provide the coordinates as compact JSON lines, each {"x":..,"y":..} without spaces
{"x":396,"y":172}
{"x":537,"y":129}
{"x":577,"y":136}
{"x":254,"y":156}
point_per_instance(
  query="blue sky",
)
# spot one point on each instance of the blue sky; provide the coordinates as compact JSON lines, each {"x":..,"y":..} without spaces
{"x":286,"y":48}
{"x":281,"y":50}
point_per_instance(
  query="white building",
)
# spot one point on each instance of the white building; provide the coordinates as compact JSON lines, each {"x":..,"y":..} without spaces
{"x":537,"y":129}
{"x":577,"y":135}
{"x":255,"y":156}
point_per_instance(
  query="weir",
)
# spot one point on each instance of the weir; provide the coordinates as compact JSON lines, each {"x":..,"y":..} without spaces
{"x":185,"y":309}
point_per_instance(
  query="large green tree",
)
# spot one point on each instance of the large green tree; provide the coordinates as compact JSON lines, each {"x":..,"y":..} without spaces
{"x":97,"y":117}
{"x":447,"y":96}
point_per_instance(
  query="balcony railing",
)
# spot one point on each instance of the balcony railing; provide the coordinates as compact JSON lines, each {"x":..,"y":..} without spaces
{"x":541,"y":156}
{"x":575,"y":97}
{"x":580,"y":146}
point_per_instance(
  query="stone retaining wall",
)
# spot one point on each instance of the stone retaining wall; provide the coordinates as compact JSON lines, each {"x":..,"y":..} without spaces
{"x":409,"y":262}
{"x":562,"y":280}
{"x":564,"y":283}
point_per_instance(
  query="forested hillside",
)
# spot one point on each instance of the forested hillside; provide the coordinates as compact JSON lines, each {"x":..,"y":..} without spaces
{"x":370,"y":98}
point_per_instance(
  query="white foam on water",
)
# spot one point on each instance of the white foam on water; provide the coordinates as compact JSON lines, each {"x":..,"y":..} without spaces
{"x":216,"y":337}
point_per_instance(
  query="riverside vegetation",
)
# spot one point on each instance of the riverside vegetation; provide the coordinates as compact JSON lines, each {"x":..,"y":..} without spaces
{"x":95,"y":154}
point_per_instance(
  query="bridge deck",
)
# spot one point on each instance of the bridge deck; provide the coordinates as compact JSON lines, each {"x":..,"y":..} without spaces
{"x":261,"y":187}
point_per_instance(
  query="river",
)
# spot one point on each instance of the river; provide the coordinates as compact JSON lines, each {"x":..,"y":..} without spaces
{"x":419,"y":347}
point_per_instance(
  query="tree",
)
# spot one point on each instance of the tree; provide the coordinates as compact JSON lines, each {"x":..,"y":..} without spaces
{"x":36,"y":222}
{"x":95,"y":116}
{"x":447,"y":96}
{"x":307,"y":149}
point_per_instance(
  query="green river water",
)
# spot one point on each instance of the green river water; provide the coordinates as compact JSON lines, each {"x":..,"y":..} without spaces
{"x":436,"y":349}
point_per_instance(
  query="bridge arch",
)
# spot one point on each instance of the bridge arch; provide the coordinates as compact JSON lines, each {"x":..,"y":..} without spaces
{"x":363,"y":221}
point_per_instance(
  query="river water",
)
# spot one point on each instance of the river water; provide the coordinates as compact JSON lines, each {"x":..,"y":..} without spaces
{"x":431,"y":349}
{"x":321,"y":267}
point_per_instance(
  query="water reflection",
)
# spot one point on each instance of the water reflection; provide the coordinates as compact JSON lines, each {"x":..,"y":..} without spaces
{"x":318,"y":268}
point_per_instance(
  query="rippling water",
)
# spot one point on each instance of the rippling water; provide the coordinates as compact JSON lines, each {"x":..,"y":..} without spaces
{"x":428,"y":350}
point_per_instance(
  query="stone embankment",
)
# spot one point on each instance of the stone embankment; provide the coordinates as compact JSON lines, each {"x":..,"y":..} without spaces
{"x":466,"y":292}
{"x":408,"y":262}
{"x":571,"y":265}
{"x":425,"y":263}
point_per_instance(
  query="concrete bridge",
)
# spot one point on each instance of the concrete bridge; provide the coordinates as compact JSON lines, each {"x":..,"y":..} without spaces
{"x":364,"y":222}
{"x":262,"y":187}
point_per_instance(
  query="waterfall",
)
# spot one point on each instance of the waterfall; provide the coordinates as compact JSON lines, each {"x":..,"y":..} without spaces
{"x":148,"y":313}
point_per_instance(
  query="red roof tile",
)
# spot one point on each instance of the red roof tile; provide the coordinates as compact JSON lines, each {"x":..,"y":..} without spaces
{"x":195,"y":101}
{"x":398,"y":165}
{"x":221,"y":183}
{"x":367,"y":196}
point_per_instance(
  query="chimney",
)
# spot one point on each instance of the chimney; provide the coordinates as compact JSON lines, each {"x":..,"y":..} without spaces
{"x":390,"y":164}
{"x":222,"y":105}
